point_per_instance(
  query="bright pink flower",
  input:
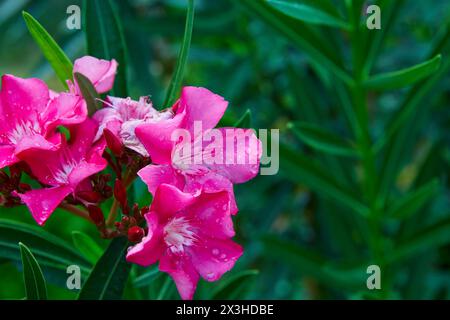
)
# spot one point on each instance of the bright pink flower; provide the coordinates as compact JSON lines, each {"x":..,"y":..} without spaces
{"x":190,"y":236}
{"x":100,"y":72}
{"x":29,"y":116}
{"x":122,"y":116}
{"x":62,"y":170}
{"x":226,"y":155}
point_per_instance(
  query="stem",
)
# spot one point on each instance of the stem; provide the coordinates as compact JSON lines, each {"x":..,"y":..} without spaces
{"x":76,"y":211}
{"x":362,"y":133}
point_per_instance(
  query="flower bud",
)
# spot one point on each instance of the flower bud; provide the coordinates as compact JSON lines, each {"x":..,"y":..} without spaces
{"x":135,"y":234}
{"x":120,"y":193}
{"x":114,"y":144}
{"x":89,"y":196}
{"x":96,"y":215}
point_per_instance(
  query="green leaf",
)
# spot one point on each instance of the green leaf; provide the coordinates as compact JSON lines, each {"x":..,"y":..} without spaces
{"x":233,"y":286}
{"x":311,"y":264}
{"x":89,"y":93}
{"x":313,"y":43}
{"x":177,"y":78}
{"x":431,"y":237}
{"x":49,"y":250}
{"x":146,"y":278}
{"x":86,"y":246}
{"x":54,"y":54}
{"x":35,"y":286}
{"x":307,"y":13}
{"x":108,"y":278}
{"x":303,"y":170}
{"x":414,"y":201}
{"x":322,"y":140}
{"x":405,"y":77}
{"x":105,"y":38}
{"x":245,"y":121}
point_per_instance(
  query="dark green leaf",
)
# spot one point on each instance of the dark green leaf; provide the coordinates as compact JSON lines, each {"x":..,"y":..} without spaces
{"x":35,"y":286}
{"x":405,"y":77}
{"x":432,"y":236}
{"x":309,"y":263}
{"x":86,"y":246}
{"x":245,"y":121}
{"x":301,"y":169}
{"x":307,"y":13}
{"x":105,"y":38}
{"x":54,"y":54}
{"x":413,"y":201}
{"x":322,"y":140}
{"x":89,"y":93}
{"x":232,"y":287}
{"x":177,"y":78}
{"x":146,"y":278}
{"x":108,"y":278}
{"x":48,"y":249}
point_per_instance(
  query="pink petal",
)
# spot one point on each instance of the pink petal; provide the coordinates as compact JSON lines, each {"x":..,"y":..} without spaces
{"x":182,"y":271}
{"x":200,"y":104}
{"x":100,"y":72}
{"x":81,"y":138}
{"x":211,"y":183}
{"x":107,"y":118}
{"x":22,"y":99}
{"x":7,"y":156}
{"x":156,"y":138}
{"x":213,"y":257}
{"x":243,"y":150}
{"x":211,"y":214}
{"x":155,"y":175}
{"x":152,"y":246}
{"x":65,"y":109}
{"x":36,"y":142}
{"x":169,"y":200}
{"x":43,"y":202}
{"x":84,"y":170}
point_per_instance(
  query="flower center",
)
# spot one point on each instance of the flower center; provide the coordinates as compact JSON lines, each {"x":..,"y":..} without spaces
{"x":178,"y":233}
{"x":23,"y":129}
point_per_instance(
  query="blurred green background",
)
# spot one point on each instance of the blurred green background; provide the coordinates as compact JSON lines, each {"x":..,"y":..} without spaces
{"x":298,"y":233}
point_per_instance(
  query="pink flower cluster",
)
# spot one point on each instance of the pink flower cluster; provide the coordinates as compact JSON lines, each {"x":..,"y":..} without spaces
{"x":189,"y":226}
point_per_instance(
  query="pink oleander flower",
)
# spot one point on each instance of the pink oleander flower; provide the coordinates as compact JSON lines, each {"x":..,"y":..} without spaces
{"x":226,"y":155}
{"x":62,"y":170}
{"x":190,"y":236}
{"x":100,"y":72}
{"x":122,"y":116}
{"x":29,"y":116}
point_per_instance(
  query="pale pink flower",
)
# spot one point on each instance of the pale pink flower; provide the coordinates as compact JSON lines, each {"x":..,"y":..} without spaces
{"x":212,"y":173}
{"x":63,"y":170}
{"x":29,"y":116}
{"x":122,"y":116}
{"x":190,"y":236}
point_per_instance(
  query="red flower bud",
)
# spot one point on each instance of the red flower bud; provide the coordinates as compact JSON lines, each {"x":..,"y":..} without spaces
{"x":120,"y":193}
{"x":3,"y":177}
{"x":135,"y":234}
{"x":96,"y":215}
{"x":89,"y":196}
{"x":114,"y":144}
{"x":24,"y":186}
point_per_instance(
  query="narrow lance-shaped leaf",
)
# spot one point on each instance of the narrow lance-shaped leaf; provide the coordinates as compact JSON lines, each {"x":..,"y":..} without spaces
{"x":177,"y":78}
{"x":35,"y":286}
{"x":54,"y":54}
{"x":322,"y":140}
{"x":307,"y":13}
{"x":405,"y":77}
{"x":50,"y":250}
{"x":245,"y":121}
{"x":108,"y":277}
{"x":87,"y":247}
{"x":89,"y":93}
{"x":105,"y":38}
{"x":414,"y":201}
{"x":146,"y":278}
{"x":232,"y":287}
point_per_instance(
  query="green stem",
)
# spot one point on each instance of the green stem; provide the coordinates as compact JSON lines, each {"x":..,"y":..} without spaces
{"x":75,"y":211}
